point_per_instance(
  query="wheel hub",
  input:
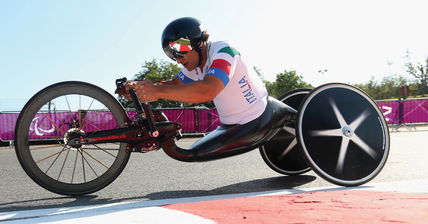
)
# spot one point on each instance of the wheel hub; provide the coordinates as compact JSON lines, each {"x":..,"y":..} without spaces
{"x":347,"y":131}
{"x":72,"y":137}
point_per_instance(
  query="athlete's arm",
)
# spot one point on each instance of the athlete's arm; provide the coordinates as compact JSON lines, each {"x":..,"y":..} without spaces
{"x":195,"y":92}
{"x":174,"y":81}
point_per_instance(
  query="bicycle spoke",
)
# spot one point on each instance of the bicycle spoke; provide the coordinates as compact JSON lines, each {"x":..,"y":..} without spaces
{"x":90,"y":167}
{"x":83,"y":166}
{"x":69,"y":110}
{"x":80,"y":119}
{"x":56,"y":158}
{"x":82,"y":124}
{"x":46,"y":147}
{"x":63,"y":164}
{"x":54,"y":124}
{"x":92,"y":125}
{"x":74,"y":167}
{"x":90,"y":105}
{"x":95,"y":159}
{"x":105,"y":151}
{"x":63,"y":149}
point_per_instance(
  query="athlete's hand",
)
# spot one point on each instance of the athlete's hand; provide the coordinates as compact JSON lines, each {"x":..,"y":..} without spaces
{"x":146,"y":91}
{"x":126,"y":86}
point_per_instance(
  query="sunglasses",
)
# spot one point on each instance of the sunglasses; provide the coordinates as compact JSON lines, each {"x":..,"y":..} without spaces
{"x":178,"y":49}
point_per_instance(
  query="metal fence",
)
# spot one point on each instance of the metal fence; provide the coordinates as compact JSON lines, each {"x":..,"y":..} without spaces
{"x":203,"y":120}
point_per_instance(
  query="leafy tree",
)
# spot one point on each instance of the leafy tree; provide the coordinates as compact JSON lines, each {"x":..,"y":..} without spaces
{"x":387,"y":88}
{"x":286,"y":81}
{"x":420,"y":72}
{"x":157,"y":71}
{"x":371,"y":87}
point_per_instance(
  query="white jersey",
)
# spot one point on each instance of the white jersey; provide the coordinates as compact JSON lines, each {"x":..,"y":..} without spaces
{"x":244,"y":97}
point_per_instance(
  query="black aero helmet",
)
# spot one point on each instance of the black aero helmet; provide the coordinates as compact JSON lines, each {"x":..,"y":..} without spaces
{"x":183,"y":35}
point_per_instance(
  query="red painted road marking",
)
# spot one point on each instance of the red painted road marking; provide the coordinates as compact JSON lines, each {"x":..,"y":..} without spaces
{"x":347,"y":206}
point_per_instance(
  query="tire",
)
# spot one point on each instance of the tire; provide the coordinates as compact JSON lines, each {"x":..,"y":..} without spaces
{"x":282,"y":153}
{"x":343,"y":134}
{"x":57,"y":112}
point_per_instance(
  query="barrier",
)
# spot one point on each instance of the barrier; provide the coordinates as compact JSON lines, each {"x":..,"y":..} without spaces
{"x":7,"y":125}
{"x":194,"y":120}
{"x":414,"y":111}
{"x":390,"y":110}
{"x":46,"y":126}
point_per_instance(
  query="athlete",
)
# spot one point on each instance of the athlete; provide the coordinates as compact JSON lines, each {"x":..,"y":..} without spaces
{"x":212,"y":71}
{"x":215,"y":71}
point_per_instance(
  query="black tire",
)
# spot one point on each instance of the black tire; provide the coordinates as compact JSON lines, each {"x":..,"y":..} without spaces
{"x":71,"y":107}
{"x":282,"y":153}
{"x":343,"y":134}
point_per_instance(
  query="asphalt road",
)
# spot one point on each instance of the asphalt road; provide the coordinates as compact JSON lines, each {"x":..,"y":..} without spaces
{"x":154,"y":176}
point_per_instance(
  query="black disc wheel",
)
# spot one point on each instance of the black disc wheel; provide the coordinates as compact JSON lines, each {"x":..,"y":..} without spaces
{"x":343,"y":134}
{"x":282,"y":153}
{"x":61,"y":112}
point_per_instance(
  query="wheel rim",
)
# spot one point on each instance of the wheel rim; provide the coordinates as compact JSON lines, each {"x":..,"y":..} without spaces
{"x":57,"y":115}
{"x":343,"y":134}
{"x":282,"y":153}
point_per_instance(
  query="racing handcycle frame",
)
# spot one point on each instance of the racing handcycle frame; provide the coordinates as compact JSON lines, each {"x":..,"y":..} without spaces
{"x":336,"y":130}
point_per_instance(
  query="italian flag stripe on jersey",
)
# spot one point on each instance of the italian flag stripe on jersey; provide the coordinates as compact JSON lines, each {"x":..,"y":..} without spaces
{"x":221,"y":64}
{"x":230,"y":51}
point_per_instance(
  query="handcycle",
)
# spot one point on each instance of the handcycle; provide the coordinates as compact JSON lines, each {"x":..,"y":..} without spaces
{"x":336,"y":130}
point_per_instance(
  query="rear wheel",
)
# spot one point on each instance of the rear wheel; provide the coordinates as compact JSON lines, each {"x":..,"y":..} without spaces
{"x":282,"y":153}
{"x":56,"y":114}
{"x":343,"y":134}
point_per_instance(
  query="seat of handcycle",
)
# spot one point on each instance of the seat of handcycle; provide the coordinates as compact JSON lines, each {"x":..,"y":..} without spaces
{"x":229,"y":140}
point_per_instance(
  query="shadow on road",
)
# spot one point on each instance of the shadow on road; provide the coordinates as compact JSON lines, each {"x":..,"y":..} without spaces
{"x":267,"y":184}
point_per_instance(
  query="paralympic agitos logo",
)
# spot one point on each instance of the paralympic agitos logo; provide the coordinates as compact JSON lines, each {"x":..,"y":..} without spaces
{"x":40,"y":129}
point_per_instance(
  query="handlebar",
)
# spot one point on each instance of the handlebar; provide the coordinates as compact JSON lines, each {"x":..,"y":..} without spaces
{"x":141,"y":107}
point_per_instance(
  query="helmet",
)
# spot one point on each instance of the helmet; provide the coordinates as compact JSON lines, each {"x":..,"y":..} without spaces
{"x":183,"y":35}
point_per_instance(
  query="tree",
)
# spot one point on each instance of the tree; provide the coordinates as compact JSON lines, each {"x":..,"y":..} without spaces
{"x":371,"y":87}
{"x":387,"y":88}
{"x":286,"y":81}
{"x":157,"y":71}
{"x":420,"y":72}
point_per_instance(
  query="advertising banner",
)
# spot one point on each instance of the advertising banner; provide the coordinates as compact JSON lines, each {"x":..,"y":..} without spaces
{"x":194,"y":120}
{"x":47,"y":126}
